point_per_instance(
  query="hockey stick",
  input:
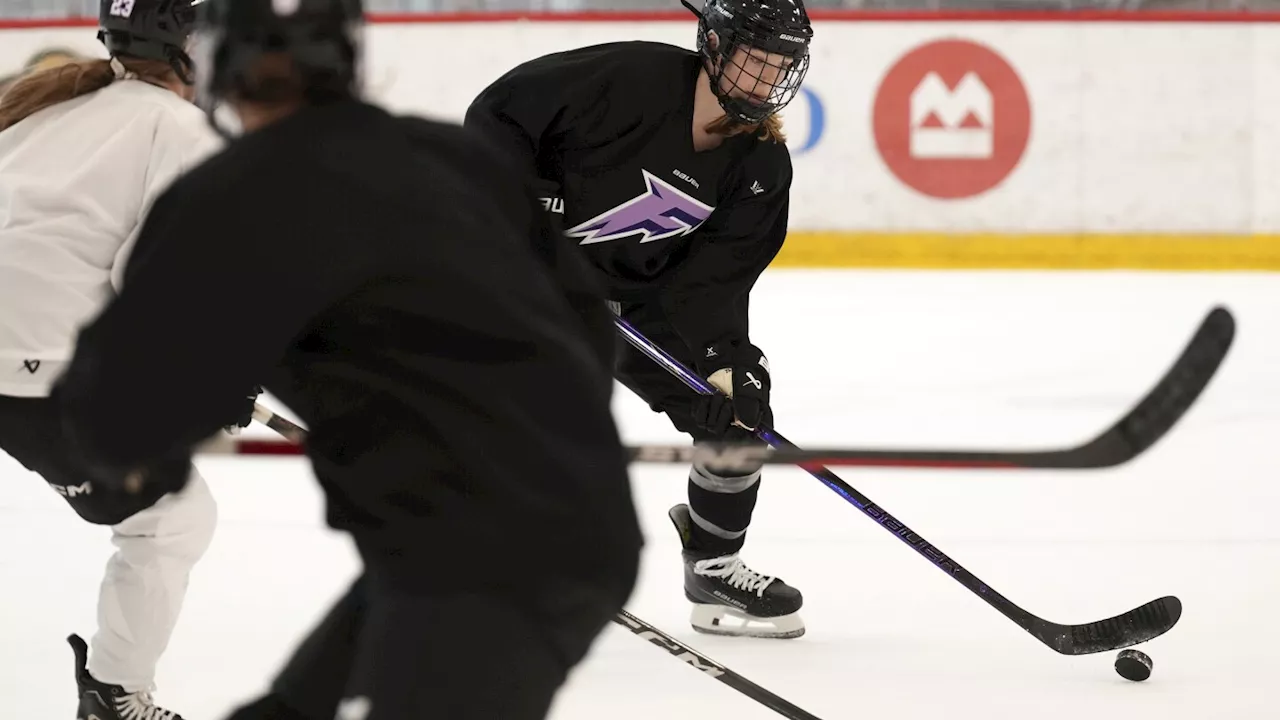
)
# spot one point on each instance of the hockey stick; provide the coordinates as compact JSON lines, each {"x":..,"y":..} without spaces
{"x":1144,"y":425}
{"x":1137,"y":431}
{"x":228,"y":444}
{"x":285,"y":428}
{"x":709,"y":667}
{"x":638,"y":627}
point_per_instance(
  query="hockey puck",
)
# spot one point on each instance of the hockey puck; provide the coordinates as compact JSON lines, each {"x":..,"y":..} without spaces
{"x":1133,"y":665}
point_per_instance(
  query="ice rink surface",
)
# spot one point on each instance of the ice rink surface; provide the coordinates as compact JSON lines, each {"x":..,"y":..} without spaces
{"x":964,"y":360}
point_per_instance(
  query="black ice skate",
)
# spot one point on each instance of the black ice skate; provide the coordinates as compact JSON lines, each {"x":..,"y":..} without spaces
{"x":99,"y":701}
{"x":723,"y":588}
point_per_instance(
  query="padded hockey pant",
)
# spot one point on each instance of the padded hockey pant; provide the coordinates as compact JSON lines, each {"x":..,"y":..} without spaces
{"x":158,"y":539}
{"x":721,"y":500}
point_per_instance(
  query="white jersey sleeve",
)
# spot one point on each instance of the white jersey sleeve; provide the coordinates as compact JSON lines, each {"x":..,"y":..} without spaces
{"x":76,"y":181}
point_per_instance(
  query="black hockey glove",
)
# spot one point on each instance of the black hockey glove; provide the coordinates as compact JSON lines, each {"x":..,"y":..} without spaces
{"x":745,"y":380}
{"x":246,"y":411}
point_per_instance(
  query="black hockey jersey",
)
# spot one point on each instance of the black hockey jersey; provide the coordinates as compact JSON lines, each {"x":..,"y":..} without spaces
{"x":608,"y":129}
{"x":376,"y":275}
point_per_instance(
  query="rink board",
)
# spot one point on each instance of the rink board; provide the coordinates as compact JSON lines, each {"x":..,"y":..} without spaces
{"x":1010,"y":141}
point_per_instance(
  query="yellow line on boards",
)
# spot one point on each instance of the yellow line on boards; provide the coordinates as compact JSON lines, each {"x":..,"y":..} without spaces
{"x":840,"y":249}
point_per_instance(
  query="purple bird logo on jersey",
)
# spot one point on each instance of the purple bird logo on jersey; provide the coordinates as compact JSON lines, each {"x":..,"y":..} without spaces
{"x":661,"y":212}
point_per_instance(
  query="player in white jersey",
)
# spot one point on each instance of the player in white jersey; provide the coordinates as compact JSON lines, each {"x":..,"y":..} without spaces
{"x":84,"y":150}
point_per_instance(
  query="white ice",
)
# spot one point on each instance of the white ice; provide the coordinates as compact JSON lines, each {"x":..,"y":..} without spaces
{"x":965,"y":360}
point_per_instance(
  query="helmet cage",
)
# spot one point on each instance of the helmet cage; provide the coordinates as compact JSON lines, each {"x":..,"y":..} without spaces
{"x":773,"y":46}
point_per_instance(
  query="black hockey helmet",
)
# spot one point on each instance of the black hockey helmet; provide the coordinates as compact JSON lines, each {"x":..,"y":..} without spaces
{"x":149,"y":29}
{"x":322,"y":38}
{"x":756,"y":90}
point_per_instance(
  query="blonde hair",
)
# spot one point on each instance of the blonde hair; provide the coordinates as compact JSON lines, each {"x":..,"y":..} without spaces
{"x":43,"y":89}
{"x":52,"y":57}
{"x":770,"y":130}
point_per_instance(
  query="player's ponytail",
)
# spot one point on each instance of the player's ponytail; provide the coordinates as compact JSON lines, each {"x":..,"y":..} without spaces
{"x":32,"y":93}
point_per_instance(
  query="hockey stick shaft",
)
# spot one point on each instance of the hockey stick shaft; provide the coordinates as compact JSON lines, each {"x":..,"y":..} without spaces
{"x":296,"y":434}
{"x":1138,"y":625}
{"x":285,"y":428}
{"x":709,"y":667}
{"x":1137,"y":431}
{"x":1148,"y":421}
{"x":779,"y":452}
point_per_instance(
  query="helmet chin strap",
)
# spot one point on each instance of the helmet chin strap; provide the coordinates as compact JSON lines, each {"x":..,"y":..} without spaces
{"x":122,"y":72}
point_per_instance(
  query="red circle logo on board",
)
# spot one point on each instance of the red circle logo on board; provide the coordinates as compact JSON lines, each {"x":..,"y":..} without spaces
{"x":952,"y":119}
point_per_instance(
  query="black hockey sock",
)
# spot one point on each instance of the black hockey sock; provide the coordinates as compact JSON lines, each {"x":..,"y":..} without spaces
{"x":721,"y":509}
{"x":315,"y":678}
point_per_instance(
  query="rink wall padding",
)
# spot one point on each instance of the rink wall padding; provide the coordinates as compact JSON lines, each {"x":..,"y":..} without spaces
{"x":945,"y":140}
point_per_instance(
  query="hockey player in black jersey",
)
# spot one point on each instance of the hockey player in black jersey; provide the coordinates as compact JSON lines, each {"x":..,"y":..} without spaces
{"x":375,"y":274}
{"x":667,"y":169}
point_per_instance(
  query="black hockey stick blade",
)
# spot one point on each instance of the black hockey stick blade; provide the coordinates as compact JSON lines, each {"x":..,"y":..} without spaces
{"x":709,"y":667}
{"x":1132,"y":628}
{"x":1149,"y":420}
{"x":1156,"y":414}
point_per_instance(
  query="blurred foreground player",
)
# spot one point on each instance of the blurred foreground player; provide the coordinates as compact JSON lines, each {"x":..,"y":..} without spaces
{"x":85,"y":148}
{"x":667,"y":168}
{"x":375,"y":274}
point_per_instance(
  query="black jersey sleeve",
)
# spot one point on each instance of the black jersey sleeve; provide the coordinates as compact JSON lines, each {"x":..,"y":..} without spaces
{"x":707,"y":300}
{"x":530,"y":111}
{"x":212,"y":297}
{"x":529,"y":115}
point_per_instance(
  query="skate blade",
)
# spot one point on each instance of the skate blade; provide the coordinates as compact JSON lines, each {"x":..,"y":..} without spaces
{"x":727,"y":621}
